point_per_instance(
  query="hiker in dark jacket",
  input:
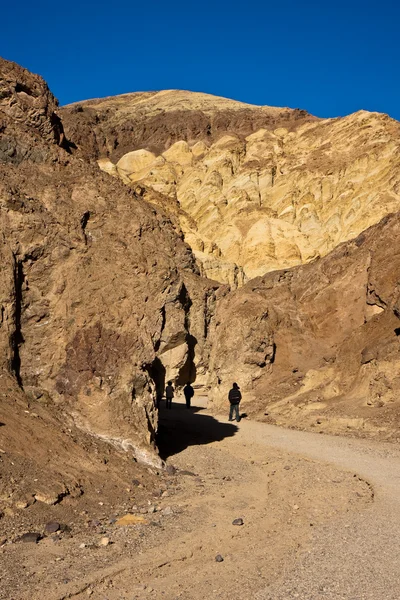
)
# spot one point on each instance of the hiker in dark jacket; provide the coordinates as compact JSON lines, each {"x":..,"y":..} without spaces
{"x":169,"y":394}
{"x":234,"y":398}
{"x":189,"y":393}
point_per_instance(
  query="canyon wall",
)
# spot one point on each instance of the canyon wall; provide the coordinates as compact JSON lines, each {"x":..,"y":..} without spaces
{"x":96,"y":283}
{"x":261,"y":190}
{"x":317,"y":346}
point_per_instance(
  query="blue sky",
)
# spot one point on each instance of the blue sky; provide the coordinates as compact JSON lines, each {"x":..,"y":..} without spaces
{"x":330,"y":58}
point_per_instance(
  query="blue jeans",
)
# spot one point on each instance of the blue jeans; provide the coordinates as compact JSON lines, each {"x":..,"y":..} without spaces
{"x":234,"y":410}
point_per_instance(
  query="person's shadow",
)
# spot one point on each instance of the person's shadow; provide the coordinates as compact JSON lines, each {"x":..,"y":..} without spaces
{"x":179,"y":428}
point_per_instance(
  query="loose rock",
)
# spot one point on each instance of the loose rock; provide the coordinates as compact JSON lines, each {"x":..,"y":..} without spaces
{"x":31,"y":537}
{"x":95,"y":523}
{"x":130,"y":519}
{"x":52,"y":527}
{"x":47,"y":498}
{"x":238,"y":521}
{"x":105,"y":541}
{"x":219,"y":558}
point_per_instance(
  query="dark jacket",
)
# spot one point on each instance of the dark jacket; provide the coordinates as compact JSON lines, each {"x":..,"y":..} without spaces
{"x":188,"y":391}
{"x":234,"y":396}
{"x":169,"y":391}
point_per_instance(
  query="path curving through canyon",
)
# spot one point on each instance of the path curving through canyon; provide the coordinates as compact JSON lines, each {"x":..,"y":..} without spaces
{"x":320,"y":516}
{"x":356,"y":555}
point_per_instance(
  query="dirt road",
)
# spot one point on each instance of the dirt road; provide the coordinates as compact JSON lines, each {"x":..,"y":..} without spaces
{"x":320,"y":520}
{"x":355,"y":556}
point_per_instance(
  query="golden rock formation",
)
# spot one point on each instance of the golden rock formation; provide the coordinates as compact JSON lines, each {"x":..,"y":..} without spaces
{"x":274,"y":198}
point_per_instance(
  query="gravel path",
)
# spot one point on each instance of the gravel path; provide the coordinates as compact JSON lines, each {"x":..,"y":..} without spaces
{"x":358,"y":556}
{"x":320,"y":513}
{"x":355,"y":556}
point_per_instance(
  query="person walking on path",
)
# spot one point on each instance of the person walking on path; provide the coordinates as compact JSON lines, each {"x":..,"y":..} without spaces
{"x":189,"y":393}
{"x":234,"y":398}
{"x":169,"y":394}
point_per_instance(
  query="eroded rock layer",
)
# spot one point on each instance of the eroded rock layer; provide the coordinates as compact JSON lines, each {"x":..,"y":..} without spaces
{"x":255,"y":188}
{"x":116,"y":125}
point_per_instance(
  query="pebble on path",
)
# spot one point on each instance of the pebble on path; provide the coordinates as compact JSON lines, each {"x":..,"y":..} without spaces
{"x":105,"y":541}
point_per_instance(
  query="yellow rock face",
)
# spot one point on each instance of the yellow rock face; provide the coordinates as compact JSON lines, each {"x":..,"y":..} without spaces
{"x":138,"y":161}
{"x":275,"y":199}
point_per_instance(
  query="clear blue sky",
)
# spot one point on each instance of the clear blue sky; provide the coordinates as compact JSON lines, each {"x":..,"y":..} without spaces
{"x":328,"y":57}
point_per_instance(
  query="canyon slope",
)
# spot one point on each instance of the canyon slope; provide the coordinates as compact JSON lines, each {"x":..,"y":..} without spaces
{"x":255,"y":188}
{"x":317,"y":346}
{"x":96,"y":284}
{"x":259,"y":192}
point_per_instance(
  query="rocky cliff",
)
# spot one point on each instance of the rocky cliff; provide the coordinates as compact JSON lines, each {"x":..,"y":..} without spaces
{"x":255,"y":189}
{"x":100,"y":295}
{"x":318,"y":345}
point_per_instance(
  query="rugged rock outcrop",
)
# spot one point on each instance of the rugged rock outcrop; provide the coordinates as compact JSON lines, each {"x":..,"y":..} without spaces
{"x":100,"y":297}
{"x":255,"y":188}
{"x":318,"y":345}
{"x":26,"y":101}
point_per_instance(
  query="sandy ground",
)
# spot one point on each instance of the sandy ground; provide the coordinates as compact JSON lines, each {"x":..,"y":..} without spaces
{"x":320,"y":520}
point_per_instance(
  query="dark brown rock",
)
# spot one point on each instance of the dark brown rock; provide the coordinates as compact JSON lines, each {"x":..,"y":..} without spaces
{"x":31,"y":537}
{"x":99,"y":129}
{"x":52,"y":527}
